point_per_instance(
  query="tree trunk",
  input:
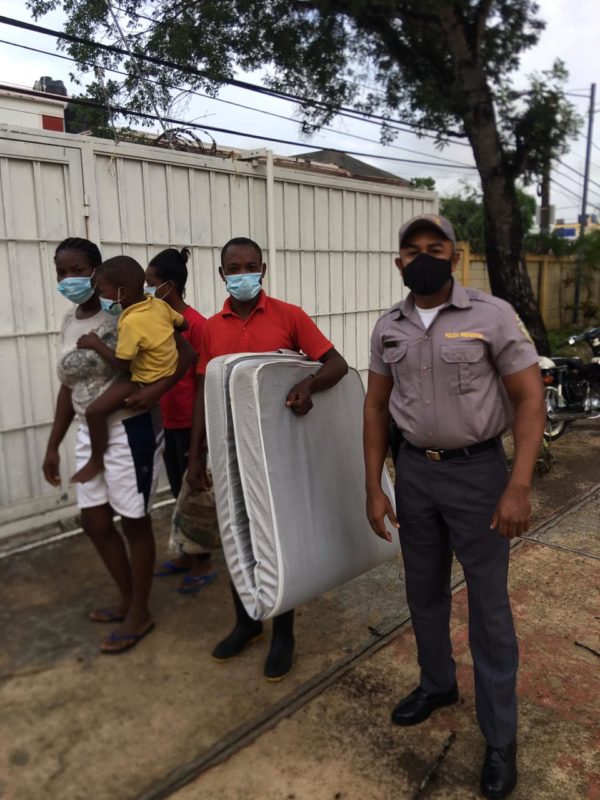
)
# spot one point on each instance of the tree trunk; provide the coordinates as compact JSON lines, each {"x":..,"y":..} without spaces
{"x":506,"y":264}
{"x":545,"y":201}
{"x":508,"y":274}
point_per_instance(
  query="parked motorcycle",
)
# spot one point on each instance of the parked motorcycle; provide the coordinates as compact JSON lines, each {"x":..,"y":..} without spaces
{"x":572,"y":386}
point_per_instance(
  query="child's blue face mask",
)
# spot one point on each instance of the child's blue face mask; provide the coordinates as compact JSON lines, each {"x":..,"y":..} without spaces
{"x":112,"y":307}
{"x":244,"y":286}
{"x":77,"y":290}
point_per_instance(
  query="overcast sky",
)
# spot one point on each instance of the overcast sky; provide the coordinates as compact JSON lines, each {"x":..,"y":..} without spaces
{"x":571,"y":34}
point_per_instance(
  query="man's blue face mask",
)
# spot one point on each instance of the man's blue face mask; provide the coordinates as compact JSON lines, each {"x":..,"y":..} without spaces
{"x":244,"y":286}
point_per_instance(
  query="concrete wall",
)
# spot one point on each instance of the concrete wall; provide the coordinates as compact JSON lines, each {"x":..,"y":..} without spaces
{"x":31,"y":112}
{"x":552,"y":281}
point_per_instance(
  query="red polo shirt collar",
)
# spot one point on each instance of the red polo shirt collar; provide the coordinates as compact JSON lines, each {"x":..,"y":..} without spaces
{"x":227,"y":310}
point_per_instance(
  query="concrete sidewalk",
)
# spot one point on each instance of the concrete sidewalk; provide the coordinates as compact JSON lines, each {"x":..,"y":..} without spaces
{"x":342,"y":746}
{"x":76,"y":724}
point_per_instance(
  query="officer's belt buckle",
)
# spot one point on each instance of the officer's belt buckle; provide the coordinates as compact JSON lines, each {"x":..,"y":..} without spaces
{"x":434,"y":455}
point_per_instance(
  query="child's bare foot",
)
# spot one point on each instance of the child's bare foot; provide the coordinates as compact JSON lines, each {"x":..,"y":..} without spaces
{"x":88,"y":471}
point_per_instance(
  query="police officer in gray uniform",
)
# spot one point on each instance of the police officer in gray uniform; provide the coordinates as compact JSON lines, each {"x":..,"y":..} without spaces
{"x":455,"y":369}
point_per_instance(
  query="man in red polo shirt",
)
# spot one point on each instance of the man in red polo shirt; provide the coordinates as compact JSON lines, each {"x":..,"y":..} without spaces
{"x":252,"y":322}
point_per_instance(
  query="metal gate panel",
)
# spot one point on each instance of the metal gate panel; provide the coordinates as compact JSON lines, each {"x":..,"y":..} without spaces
{"x":41,"y":203}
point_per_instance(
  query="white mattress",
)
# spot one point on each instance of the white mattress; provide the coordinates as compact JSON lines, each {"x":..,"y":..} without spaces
{"x":289,"y":490}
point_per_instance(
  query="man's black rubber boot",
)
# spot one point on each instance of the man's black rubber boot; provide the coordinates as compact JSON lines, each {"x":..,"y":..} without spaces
{"x":246,"y":630}
{"x":499,"y":773}
{"x":419,"y":705}
{"x":281,"y":655}
{"x":232,"y":645}
{"x":280,"y":658}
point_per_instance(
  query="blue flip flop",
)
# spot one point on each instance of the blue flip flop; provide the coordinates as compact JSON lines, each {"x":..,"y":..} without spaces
{"x":105,"y":616}
{"x":128,"y":640}
{"x":169,"y":568}
{"x":192,"y":584}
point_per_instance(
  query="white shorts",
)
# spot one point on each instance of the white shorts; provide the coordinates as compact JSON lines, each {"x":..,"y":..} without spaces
{"x":132,"y":463}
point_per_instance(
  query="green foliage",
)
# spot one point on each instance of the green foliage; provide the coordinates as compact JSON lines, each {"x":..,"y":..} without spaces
{"x":467,"y":217}
{"x":423,"y":183}
{"x":327,"y":50}
{"x":437,"y":65}
{"x":466,"y":213}
{"x":537,"y":124}
{"x":528,"y":207}
{"x":589,"y":248}
{"x":558,"y":340}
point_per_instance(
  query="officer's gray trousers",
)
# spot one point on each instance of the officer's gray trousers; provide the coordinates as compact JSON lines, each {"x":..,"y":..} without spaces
{"x":446,"y":506}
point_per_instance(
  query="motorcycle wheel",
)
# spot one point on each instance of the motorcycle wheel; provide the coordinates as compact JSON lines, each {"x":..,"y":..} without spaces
{"x":554,"y":427}
{"x":595,"y":396}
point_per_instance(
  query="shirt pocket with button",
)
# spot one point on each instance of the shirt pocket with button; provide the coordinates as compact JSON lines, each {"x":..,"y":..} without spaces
{"x":403,"y":375}
{"x":462,"y":365}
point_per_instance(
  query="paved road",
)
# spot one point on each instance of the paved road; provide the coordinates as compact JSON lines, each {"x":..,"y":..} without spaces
{"x":79,"y":725}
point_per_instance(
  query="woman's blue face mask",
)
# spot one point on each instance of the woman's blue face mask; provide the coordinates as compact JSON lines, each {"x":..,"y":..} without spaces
{"x":152,"y":290}
{"x":77,"y":290}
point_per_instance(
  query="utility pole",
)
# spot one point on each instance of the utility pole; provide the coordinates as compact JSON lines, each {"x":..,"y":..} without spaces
{"x":583,"y":220}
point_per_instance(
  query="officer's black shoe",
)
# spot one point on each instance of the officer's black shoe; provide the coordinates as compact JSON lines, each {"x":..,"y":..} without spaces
{"x":421,"y":704}
{"x":499,"y":773}
{"x":232,"y":645}
{"x":280,"y":658}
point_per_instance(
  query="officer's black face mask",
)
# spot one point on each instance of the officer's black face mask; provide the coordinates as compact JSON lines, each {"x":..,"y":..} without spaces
{"x":425,"y":275}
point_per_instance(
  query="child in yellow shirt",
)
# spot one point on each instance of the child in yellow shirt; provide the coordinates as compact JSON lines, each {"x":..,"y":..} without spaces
{"x":145,"y":347}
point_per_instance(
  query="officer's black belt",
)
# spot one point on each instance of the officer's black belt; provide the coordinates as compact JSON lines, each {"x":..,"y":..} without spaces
{"x":442,"y":455}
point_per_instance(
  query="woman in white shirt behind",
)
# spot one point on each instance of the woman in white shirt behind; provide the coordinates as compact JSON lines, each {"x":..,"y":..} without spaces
{"x":133,"y":456}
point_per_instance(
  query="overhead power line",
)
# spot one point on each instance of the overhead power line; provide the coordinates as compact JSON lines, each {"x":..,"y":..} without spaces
{"x":566,"y":189}
{"x":448,"y":161}
{"x":344,"y":110}
{"x":580,"y":194}
{"x":575,"y":181}
{"x":228,"y":131}
{"x":568,"y":177}
{"x":581,"y":175}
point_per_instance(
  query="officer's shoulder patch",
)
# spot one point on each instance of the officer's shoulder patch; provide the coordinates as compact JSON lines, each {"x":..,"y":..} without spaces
{"x":522,"y":328}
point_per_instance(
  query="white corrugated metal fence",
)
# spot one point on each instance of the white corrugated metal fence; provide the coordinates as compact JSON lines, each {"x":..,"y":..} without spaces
{"x":334,"y":244}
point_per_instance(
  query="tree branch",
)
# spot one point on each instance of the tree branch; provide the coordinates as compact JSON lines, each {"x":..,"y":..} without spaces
{"x":483,"y":12}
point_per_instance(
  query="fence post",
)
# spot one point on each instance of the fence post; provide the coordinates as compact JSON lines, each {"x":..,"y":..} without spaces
{"x":543,"y":289}
{"x":466,"y":263}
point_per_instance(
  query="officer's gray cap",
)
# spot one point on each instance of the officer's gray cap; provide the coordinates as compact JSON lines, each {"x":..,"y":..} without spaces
{"x":434,"y":221}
